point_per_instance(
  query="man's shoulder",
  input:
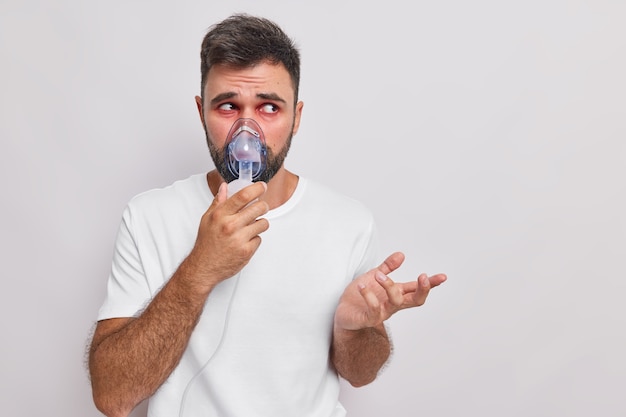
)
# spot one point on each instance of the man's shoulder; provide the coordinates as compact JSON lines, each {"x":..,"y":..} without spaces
{"x":185,"y":191}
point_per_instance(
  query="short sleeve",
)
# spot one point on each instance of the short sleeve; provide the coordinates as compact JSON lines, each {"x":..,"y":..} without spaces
{"x":370,"y":250}
{"x":127,"y":288}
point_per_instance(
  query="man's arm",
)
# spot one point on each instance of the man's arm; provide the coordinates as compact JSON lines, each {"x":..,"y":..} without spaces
{"x":361,"y":344}
{"x":131,"y":357}
{"x":358,"y":355}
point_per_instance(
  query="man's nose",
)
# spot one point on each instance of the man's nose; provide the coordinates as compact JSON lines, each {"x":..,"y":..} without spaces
{"x":248,"y":113}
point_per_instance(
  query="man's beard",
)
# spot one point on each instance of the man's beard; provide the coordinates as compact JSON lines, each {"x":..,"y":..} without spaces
{"x":273,"y":164}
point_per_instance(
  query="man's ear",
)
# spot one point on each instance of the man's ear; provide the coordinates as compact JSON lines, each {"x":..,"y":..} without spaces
{"x":297,"y":116}
{"x":199,"y":104}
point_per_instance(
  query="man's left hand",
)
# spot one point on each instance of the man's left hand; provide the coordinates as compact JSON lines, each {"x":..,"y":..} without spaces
{"x":373,"y":297}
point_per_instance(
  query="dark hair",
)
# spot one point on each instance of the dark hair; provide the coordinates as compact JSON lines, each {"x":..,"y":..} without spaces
{"x":242,"y":41}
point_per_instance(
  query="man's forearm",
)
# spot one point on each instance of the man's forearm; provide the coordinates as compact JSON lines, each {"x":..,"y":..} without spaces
{"x":130,"y":363}
{"x":358,"y":355}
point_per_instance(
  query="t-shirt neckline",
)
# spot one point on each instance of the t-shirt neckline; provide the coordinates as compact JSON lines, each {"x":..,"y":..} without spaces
{"x":287,"y":206}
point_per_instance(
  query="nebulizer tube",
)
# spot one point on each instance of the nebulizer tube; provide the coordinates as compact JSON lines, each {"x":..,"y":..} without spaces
{"x":246,"y":154}
{"x":246,"y":160}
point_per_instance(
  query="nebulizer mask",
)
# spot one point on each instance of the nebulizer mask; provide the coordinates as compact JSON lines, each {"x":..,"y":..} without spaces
{"x":246,"y":154}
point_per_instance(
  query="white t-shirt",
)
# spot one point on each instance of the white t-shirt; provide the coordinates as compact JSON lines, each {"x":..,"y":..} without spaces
{"x":261,"y":346}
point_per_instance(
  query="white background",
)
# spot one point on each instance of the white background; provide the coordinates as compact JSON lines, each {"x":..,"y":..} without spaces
{"x":488,"y":137}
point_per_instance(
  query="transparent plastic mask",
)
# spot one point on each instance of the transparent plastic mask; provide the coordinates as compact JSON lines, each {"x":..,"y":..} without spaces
{"x":246,"y":154}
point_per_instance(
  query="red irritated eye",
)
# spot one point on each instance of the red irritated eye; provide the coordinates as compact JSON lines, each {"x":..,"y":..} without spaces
{"x":269,"y":108}
{"x":227,"y":107}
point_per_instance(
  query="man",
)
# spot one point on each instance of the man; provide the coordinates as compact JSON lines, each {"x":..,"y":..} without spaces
{"x":204,"y":318}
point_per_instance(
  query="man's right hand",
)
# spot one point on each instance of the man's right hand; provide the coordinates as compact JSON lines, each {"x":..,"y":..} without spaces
{"x":228,"y":235}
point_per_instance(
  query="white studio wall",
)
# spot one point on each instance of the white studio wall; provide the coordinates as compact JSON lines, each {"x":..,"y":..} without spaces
{"x":487,"y":137}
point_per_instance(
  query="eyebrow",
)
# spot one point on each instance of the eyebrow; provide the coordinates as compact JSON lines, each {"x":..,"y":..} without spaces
{"x":271,"y":96}
{"x":263,"y":96}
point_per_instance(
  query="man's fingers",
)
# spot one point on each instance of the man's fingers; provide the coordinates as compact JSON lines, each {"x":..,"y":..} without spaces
{"x":437,"y":279}
{"x":244,"y":206}
{"x":258,"y":226}
{"x":253,"y":211}
{"x":434,"y":280}
{"x":222,"y":193}
{"x":423,"y":288}
{"x":394,"y":292}
{"x":373,"y":304}
{"x":392,"y":263}
{"x":220,"y":197}
{"x":247,"y":195}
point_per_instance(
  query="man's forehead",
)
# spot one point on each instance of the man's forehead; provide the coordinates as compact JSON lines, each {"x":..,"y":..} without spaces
{"x":265,"y":77}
